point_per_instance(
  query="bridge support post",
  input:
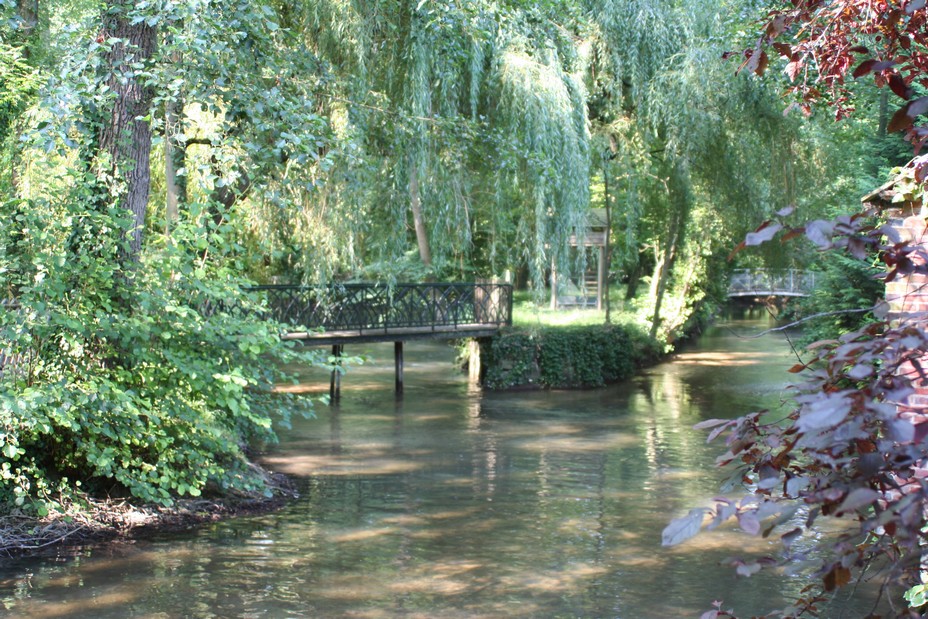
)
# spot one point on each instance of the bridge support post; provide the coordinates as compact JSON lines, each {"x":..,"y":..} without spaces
{"x":335,"y":384}
{"x":398,"y":363}
{"x":473,"y":361}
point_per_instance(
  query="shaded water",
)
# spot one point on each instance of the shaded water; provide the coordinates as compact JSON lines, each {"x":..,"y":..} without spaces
{"x":456,"y":503}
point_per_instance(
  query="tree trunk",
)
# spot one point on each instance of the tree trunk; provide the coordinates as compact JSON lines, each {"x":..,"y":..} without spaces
{"x":28,"y":13}
{"x":174,"y":158}
{"x":607,"y":250}
{"x":415,"y":205}
{"x":173,"y":187}
{"x":126,"y":135}
{"x":883,"y":121}
{"x":665,"y":262}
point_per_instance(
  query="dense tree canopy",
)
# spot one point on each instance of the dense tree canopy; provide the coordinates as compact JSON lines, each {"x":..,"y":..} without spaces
{"x":160,"y":157}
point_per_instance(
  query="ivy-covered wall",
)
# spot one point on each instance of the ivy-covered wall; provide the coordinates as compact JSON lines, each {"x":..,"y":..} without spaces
{"x":562,"y":358}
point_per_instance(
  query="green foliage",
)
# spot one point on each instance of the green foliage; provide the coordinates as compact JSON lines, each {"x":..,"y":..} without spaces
{"x":149,"y":380}
{"x":511,"y":359}
{"x":564,"y":357}
{"x":846,"y":291}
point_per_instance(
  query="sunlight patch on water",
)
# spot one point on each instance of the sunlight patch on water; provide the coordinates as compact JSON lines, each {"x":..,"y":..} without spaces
{"x":721,"y":359}
{"x":362,"y":535}
{"x":308,"y":465}
{"x":570,"y":444}
{"x":91,"y":602}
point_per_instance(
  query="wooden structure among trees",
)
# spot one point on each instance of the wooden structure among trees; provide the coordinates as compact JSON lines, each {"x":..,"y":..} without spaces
{"x":570,"y":292}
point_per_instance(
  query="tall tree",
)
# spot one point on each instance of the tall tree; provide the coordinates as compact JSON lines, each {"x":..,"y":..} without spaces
{"x":125,"y":135}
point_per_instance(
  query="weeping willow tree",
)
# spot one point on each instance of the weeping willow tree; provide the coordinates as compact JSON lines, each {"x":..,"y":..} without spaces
{"x":699,"y":154}
{"x":464,"y":137}
{"x":463,"y":141}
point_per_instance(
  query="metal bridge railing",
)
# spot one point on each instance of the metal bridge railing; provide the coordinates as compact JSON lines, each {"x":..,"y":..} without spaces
{"x":784,"y":282}
{"x":379,"y":307}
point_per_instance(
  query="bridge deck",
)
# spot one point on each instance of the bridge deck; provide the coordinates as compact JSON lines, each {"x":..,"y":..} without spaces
{"x":393,"y":334}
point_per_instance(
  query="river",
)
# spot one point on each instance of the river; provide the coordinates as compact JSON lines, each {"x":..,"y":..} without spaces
{"x":455,"y":503}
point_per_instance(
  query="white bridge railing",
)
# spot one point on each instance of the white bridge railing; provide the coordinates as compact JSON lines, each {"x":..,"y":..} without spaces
{"x":771,"y":282}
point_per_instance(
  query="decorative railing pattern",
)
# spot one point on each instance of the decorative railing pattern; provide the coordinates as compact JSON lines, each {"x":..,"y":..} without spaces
{"x":771,"y":282}
{"x":379,"y":307}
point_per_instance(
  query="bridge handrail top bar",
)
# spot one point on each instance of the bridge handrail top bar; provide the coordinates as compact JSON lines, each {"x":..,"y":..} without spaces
{"x":376,"y":285}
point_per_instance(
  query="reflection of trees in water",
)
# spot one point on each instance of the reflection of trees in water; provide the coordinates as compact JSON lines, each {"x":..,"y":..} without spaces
{"x":489,"y":504}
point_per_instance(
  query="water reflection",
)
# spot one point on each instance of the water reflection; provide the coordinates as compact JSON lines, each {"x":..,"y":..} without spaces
{"x":455,"y":503}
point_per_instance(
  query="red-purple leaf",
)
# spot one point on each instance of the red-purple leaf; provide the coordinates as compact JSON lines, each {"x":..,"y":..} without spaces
{"x":764,"y":233}
{"x":872,"y":66}
{"x":857,"y":248}
{"x":898,"y":86}
{"x":921,"y":172}
{"x":762,"y":63}
{"x":682,"y":529}
{"x":826,"y":411}
{"x":710,"y":423}
{"x":756,"y":62}
{"x":914,"y":5}
{"x":820,"y":232}
{"x":900,"y":120}
{"x":859,"y":49}
{"x":860,"y":497}
{"x":776,"y":26}
{"x":837,"y":577}
{"x":783,"y":49}
{"x":918,"y":107}
{"x":863,"y":68}
{"x":749,"y":523}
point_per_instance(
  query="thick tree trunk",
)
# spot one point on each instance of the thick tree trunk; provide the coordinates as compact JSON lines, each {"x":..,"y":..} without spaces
{"x":28,"y":13}
{"x":126,"y":135}
{"x":634,"y":278}
{"x":422,"y":237}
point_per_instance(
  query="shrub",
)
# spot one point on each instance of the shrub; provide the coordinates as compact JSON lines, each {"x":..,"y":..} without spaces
{"x":562,"y":357}
{"x":147,"y":381}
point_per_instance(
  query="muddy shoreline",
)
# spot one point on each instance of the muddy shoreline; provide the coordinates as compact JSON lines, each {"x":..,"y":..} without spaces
{"x":104,"y":520}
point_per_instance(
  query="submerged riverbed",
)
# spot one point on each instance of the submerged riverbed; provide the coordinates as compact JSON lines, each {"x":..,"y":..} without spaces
{"x":452,"y":502}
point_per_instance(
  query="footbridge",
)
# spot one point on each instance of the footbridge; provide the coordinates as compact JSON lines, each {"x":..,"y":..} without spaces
{"x":771,"y":283}
{"x":340,"y":314}
{"x":369,"y":312}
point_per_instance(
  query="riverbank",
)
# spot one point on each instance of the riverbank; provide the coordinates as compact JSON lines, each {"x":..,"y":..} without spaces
{"x":93,"y":520}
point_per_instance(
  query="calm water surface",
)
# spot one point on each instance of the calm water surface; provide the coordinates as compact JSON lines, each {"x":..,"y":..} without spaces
{"x":457,"y":503}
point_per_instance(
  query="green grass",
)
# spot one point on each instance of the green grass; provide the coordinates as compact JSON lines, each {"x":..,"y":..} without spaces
{"x":526,"y":313}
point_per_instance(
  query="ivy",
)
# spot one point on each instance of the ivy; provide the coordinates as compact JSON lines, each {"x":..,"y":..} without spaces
{"x":564,"y":358}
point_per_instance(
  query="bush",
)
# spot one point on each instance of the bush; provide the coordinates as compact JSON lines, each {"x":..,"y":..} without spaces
{"x":562,"y":358}
{"x":146,"y":380}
